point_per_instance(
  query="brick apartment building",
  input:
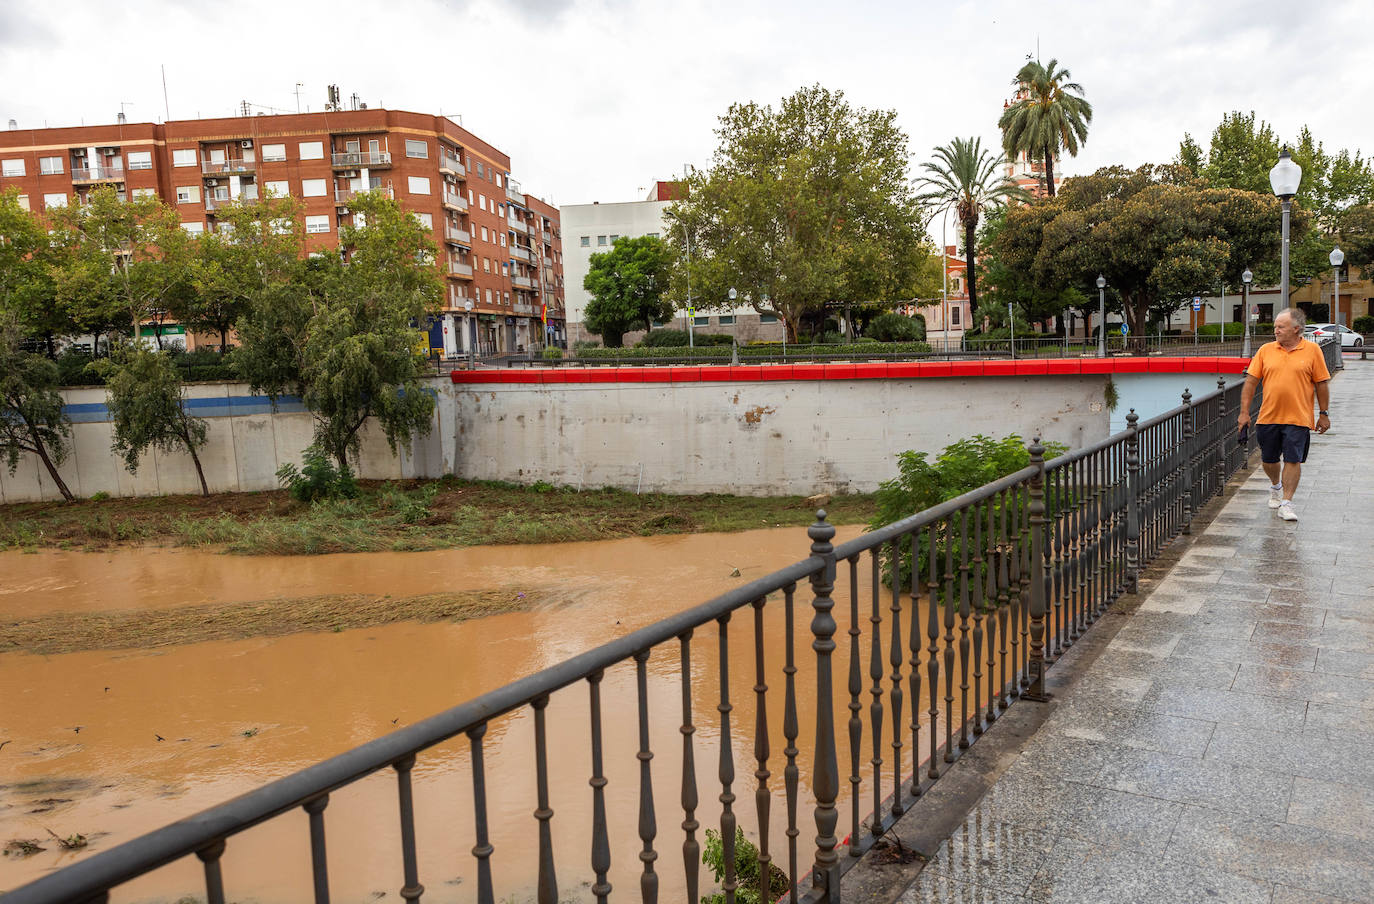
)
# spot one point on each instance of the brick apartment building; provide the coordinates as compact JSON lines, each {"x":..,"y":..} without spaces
{"x":500,"y":249}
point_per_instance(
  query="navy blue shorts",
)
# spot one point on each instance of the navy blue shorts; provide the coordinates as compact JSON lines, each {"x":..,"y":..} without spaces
{"x":1288,"y":439}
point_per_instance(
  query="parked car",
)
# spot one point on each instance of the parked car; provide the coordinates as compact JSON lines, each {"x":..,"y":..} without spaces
{"x":1349,"y":338}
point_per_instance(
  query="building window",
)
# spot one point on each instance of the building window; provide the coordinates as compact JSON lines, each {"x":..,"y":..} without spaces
{"x":11,"y":168}
{"x":586,"y":241}
{"x":725,"y":319}
{"x":482,"y":202}
{"x":145,"y":192}
{"x":486,"y":265}
{"x":768,"y":318}
{"x":281,"y":189}
{"x":479,"y":169}
{"x":22,"y":201}
{"x":505,"y":269}
{"x":614,"y":239}
{"x":312,"y":150}
{"x":498,"y":180}
{"x":312,"y":188}
{"x":140,"y":160}
{"x":416,"y":148}
{"x":701,"y":321}
{"x":954,"y":313}
{"x":50,"y":166}
{"x":317,"y":224}
{"x":417,"y":185}
{"x":489,"y":296}
{"x":426,"y":220}
{"x":188,"y":194}
{"x":193,"y":228}
{"x":273,"y":153}
{"x":503,"y":242}
{"x":601,"y":240}
{"x":184,"y":157}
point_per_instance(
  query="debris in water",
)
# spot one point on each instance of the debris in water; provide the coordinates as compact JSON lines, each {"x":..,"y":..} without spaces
{"x":23,"y":847}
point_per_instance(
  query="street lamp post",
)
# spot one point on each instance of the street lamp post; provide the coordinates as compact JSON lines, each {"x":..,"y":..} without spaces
{"x":1245,"y":308}
{"x":1285,"y":178}
{"x":470,"y":328}
{"x":734,"y":330}
{"x":1101,"y":316}
{"x":1337,"y":258}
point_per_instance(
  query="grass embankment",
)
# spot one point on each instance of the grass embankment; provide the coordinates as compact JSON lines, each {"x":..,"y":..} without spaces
{"x":399,"y":516}
{"x":71,"y":632}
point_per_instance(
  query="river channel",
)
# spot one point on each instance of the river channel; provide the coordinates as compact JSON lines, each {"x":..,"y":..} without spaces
{"x":111,"y":744}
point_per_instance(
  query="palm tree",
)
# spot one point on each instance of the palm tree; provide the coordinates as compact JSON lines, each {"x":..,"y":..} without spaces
{"x":1049,"y":115}
{"x":965,"y":177}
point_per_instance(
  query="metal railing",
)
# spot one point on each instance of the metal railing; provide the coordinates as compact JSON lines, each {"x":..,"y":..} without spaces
{"x":455,"y":200}
{"x":361,"y":158}
{"x":457,"y":269}
{"x":344,"y":195}
{"x":236,"y":165}
{"x":979,"y":594}
{"x":449,"y":163}
{"x":97,"y":173}
{"x":461,"y":236}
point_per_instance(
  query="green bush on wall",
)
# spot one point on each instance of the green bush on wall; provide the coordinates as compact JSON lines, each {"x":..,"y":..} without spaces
{"x":1364,"y":324}
{"x":766,"y":349}
{"x":1214,"y":329}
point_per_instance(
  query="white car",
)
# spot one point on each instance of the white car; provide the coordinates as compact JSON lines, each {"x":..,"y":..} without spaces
{"x":1349,"y":338}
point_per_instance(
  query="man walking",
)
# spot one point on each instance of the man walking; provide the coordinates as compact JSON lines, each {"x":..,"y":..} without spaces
{"x":1293,"y":371}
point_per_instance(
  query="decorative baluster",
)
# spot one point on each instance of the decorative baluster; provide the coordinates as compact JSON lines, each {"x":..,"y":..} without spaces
{"x":319,"y":865}
{"x":913,"y":667}
{"x":790,"y":774}
{"x":1105,"y":518}
{"x":601,"y":844}
{"x":691,"y":850}
{"x":875,"y":672}
{"x":825,"y":776}
{"x":933,"y":650}
{"x":1189,"y":456}
{"x":726,"y":769}
{"x":963,"y":624}
{"x":979,"y":603}
{"x":761,"y":751}
{"x":547,"y":884}
{"x":1024,"y":557}
{"x":1219,"y":447}
{"x":1014,"y":593}
{"x":1132,"y":501}
{"x":412,"y":890}
{"x":648,"y":825}
{"x":1058,"y":521}
{"x":214,"y":879}
{"x":948,"y":614}
{"x":895,"y":695}
{"x":856,"y":688}
{"x":1004,"y":625}
{"x":1080,"y":549}
{"x":1035,"y":658}
{"x":482,"y":849}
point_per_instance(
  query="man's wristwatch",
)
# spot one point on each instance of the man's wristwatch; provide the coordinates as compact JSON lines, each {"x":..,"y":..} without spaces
{"x":1322,"y":414}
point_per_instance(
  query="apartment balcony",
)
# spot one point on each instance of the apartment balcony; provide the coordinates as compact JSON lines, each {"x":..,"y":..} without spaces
{"x":514,"y":195}
{"x":344,"y":195}
{"x":550,"y":287}
{"x":525,"y":308}
{"x":458,"y":236}
{"x":213,"y":168}
{"x":520,"y":253}
{"x":455,"y":201}
{"x":213,"y":204}
{"x":522,"y":282}
{"x":548,"y":262}
{"x":350,"y":159}
{"x":548,"y":237}
{"x":98,"y":174}
{"x":451,"y":166}
{"x":463,"y":271}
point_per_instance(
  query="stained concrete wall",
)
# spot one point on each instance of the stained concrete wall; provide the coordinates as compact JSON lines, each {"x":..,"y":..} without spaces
{"x":753,"y":438}
{"x":748,"y":437}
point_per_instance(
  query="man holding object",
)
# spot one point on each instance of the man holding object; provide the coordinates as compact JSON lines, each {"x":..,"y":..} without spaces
{"x":1293,"y":371}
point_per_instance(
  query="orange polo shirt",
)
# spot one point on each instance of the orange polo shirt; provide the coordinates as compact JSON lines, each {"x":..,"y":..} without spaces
{"x":1290,"y":378}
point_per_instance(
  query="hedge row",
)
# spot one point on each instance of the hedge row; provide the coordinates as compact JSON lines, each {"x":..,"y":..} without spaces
{"x":761,"y":350}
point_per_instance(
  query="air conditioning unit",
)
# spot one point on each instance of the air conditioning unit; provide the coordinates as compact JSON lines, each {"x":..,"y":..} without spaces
{"x":350,"y":174}
{"x":246,"y":143}
{"x":342,"y":211}
{"x":210,"y":183}
{"x":108,"y":152}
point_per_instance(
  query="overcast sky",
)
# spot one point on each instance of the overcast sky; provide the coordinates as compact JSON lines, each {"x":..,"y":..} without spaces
{"x":594,"y":99}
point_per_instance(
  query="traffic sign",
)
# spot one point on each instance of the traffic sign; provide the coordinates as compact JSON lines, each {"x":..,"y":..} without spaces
{"x":1197,"y":303}
{"x":1125,"y":330}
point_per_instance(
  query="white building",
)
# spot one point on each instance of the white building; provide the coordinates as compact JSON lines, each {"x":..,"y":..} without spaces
{"x":592,"y":228}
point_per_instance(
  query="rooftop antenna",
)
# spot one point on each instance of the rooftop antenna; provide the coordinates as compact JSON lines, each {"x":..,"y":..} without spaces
{"x":166,"y":108}
{"x":122,"y":104}
{"x":299,"y":86}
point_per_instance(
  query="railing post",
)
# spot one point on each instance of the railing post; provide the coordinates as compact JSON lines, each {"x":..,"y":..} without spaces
{"x":1223,"y":447}
{"x":1035,"y":659}
{"x":1188,"y":487}
{"x":825,"y":781}
{"x":1132,"y":501}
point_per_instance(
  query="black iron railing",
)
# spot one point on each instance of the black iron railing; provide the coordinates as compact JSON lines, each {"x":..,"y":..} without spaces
{"x":952,"y":614}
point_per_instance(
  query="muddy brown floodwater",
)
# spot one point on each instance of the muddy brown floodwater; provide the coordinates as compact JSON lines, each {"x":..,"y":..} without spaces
{"x":113,"y":744}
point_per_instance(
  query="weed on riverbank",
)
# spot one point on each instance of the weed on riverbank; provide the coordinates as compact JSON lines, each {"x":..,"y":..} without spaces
{"x":400,"y":516}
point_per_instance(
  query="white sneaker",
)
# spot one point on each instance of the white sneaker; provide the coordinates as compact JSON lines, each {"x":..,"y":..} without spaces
{"x":1286,"y":511}
{"x":1275,"y":497}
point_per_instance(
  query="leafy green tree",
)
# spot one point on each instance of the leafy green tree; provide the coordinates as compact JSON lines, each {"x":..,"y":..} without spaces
{"x":260,"y":248}
{"x":145,"y":400}
{"x":122,"y":261}
{"x":1356,"y":231}
{"x":804,"y":207}
{"x":1049,"y":115}
{"x":965,"y":177}
{"x":626,"y":286}
{"x":1157,"y":237}
{"x":31,"y":415}
{"x":343,"y":336}
{"x":26,"y":287}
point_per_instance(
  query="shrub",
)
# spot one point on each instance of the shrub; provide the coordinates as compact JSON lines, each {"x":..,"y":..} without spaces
{"x":894,"y":327}
{"x":317,"y":478}
{"x":583,"y":344}
{"x":747,"y":868}
{"x":552,"y":353}
{"x":663,"y":339}
{"x":1364,"y":324}
{"x":1214,"y":329}
{"x":71,"y":370}
{"x":758,"y":350}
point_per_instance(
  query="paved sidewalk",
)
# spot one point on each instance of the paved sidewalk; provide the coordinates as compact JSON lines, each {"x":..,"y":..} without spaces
{"x":1221,"y":747}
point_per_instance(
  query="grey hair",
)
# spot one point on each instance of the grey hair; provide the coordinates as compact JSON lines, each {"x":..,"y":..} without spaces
{"x":1299,"y":318}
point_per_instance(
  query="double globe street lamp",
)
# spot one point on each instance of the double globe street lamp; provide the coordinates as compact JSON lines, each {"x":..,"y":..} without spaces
{"x":1101,"y":316}
{"x":1245,"y":279}
{"x":1285,"y":178}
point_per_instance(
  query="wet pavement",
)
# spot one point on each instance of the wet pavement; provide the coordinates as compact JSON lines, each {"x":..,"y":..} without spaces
{"x":1220,"y":746}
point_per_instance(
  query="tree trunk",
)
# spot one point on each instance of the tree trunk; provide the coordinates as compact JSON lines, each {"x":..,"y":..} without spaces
{"x":223,"y":340}
{"x":791,"y":327}
{"x":1049,"y":171}
{"x":47,"y":463}
{"x":970,"y":236}
{"x":52,"y":346}
{"x":200,"y":472}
